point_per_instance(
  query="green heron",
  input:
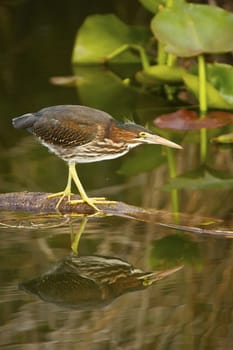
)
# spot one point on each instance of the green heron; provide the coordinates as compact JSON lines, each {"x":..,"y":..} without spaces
{"x":79,"y":134}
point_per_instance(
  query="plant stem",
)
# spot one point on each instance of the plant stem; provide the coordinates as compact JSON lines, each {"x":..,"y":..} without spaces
{"x":171,"y":59}
{"x":202,"y":105}
{"x":161,"y":55}
{"x":143,"y":55}
{"x":117,"y":52}
{"x":174,"y":193}
{"x":126,"y":47}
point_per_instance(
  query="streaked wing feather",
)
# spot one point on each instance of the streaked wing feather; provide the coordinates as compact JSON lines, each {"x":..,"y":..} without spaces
{"x":66,"y":133}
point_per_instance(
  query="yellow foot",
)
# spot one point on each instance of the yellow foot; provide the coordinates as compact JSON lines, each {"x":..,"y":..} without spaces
{"x":62,"y":195}
{"x":92,"y":201}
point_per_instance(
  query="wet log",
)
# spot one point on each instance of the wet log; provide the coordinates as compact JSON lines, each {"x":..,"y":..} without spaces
{"x":39,"y":203}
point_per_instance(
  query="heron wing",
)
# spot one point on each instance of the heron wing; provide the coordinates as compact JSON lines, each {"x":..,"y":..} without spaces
{"x":66,"y":133}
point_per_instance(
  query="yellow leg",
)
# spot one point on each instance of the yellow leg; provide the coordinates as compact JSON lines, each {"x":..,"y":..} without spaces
{"x":84,"y":196}
{"x":66,"y":193}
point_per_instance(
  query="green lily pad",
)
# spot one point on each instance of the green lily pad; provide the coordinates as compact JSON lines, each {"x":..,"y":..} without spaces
{"x":202,"y":178}
{"x":214,"y":98}
{"x":221,"y":77}
{"x":141,"y":160}
{"x":100,"y":88}
{"x":160,"y":74}
{"x":101,"y":35}
{"x":192,"y":29}
{"x":152,"y":5}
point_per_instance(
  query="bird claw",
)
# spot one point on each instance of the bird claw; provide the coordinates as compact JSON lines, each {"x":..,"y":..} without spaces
{"x":61,"y":194}
{"x":93,"y":201}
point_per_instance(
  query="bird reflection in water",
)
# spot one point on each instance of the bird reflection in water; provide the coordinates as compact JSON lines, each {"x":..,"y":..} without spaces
{"x":91,"y":281}
{"x":75,"y":236}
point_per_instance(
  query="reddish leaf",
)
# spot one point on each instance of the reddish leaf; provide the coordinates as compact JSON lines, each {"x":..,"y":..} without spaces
{"x":189,"y":120}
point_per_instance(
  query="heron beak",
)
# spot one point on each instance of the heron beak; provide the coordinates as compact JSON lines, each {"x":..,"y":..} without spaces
{"x":155,"y":139}
{"x":158,"y":275}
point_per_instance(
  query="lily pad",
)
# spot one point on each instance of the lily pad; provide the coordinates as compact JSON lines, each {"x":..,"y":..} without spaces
{"x":100,"y":88}
{"x":160,"y":74}
{"x":184,"y":119}
{"x":152,"y":5}
{"x":202,"y":178}
{"x":214,"y":98}
{"x":101,"y":35}
{"x":192,"y":29}
{"x":221,"y":77}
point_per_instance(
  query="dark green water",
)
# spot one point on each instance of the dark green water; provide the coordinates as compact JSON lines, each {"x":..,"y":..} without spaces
{"x":190,"y":309}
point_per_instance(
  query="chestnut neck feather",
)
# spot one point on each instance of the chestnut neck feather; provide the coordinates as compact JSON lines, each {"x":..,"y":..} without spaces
{"x":121,"y":133}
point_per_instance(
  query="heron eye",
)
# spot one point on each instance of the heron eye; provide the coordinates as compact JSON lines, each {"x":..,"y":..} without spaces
{"x":142,"y":134}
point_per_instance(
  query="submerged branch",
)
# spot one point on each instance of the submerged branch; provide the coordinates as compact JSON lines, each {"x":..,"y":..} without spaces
{"x":39,"y":203}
